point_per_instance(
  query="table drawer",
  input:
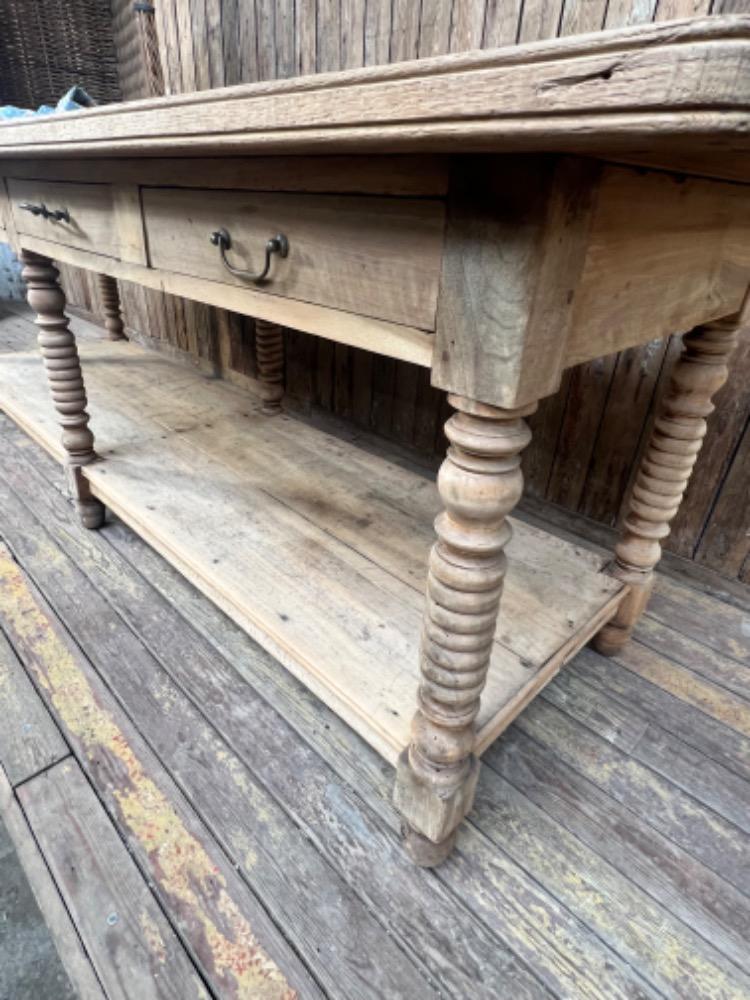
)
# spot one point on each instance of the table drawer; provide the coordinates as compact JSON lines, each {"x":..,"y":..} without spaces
{"x":377,"y":257}
{"x":90,"y":222}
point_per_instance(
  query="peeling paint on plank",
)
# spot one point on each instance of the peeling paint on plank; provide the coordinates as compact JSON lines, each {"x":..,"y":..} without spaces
{"x":185,"y":871}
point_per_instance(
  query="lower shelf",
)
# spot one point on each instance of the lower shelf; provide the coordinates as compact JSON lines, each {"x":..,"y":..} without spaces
{"x":315,"y":546}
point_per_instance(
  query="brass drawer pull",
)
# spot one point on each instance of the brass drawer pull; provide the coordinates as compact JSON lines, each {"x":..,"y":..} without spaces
{"x":56,"y":214}
{"x":277,"y":244}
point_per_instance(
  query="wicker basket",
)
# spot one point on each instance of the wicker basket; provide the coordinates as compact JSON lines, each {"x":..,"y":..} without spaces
{"x":47,"y":46}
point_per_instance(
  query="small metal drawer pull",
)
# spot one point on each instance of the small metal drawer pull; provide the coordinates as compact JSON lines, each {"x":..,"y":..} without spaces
{"x":57,"y":214}
{"x":277,"y":244}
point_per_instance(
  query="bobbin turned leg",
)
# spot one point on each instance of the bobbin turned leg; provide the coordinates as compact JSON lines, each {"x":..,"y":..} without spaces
{"x":480,"y":482}
{"x":109,"y":295}
{"x":58,"y":347}
{"x":665,"y":470}
{"x":269,"y":352}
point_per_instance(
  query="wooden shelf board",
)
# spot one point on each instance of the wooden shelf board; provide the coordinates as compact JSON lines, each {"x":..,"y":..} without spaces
{"x":317,"y":547}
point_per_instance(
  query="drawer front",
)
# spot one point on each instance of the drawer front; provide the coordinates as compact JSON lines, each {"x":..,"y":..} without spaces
{"x":90,"y":224}
{"x":377,"y":257}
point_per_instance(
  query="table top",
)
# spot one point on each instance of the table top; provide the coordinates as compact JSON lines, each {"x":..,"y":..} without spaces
{"x":675,"y":95}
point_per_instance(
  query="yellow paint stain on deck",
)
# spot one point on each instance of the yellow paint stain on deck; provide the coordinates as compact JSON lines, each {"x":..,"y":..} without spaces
{"x":183,"y":868}
{"x":634,"y":920}
{"x":729,"y":709}
{"x":152,"y":936}
{"x":234,"y":768}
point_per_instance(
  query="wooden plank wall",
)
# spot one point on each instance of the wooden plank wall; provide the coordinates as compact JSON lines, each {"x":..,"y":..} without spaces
{"x":588,"y":436}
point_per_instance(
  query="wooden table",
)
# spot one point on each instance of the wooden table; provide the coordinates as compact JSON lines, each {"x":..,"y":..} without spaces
{"x":495,"y":217}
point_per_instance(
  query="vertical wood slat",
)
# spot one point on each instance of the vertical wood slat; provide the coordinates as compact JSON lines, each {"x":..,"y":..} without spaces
{"x":467,"y":25}
{"x":247,"y":39}
{"x":541,"y":19}
{"x":404,"y":31}
{"x":434,"y":28}
{"x":501,"y":24}
{"x":630,"y":397}
{"x":305,"y":36}
{"x":622,"y":13}
{"x":725,"y":430}
{"x":725,"y":545}
{"x":588,"y":435}
{"x":265,"y":28}
{"x":284,"y":38}
{"x":230,"y":50}
{"x":167,"y":35}
{"x":377,"y":32}
{"x":581,"y":16}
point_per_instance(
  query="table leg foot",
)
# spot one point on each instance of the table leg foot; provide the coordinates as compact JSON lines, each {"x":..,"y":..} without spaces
{"x":91,"y":513}
{"x":424,"y":852}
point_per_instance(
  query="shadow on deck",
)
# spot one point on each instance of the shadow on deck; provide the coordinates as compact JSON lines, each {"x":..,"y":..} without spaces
{"x":195,"y":823}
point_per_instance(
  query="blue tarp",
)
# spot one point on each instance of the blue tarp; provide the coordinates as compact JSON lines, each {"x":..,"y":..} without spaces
{"x":75,"y":99}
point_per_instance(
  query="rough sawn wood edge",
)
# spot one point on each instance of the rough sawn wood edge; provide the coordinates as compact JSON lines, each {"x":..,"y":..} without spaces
{"x":681,"y":78}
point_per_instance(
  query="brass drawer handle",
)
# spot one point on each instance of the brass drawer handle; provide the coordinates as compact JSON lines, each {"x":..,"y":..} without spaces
{"x":277,"y":244}
{"x":56,"y":214}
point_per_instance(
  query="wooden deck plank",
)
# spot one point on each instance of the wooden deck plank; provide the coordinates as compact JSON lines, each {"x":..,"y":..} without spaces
{"x":710,"y":783}
{"x":689,"y":722}
{"x":432,"y":917}
{"x":240,"y":951}
{"x":702,"y":900}
{"x":701,"y":659}
{"x":666,"y":952}
{"x":686,"y":767}
{"x":131,"y":945}
{"x":29,"y":739}
{"x":309,"y":513}
{"x":16,"y":332}
{"x":61,"y":927}
{"x":697,"y":829}
{"x":330,"y":926}
{"x":714,"y":701}
{"x":712,"y":622}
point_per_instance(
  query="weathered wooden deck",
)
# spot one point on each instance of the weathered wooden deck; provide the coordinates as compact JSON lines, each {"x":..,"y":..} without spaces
{"x":196,"y":824}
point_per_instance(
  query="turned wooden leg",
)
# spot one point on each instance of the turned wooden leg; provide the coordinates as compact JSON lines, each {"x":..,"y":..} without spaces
{"x":269,"y":351}
{"x":110,"y":299}
{"x":665,"y":470}
{"x":480,"y":482}
{"x":58,"y":347}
